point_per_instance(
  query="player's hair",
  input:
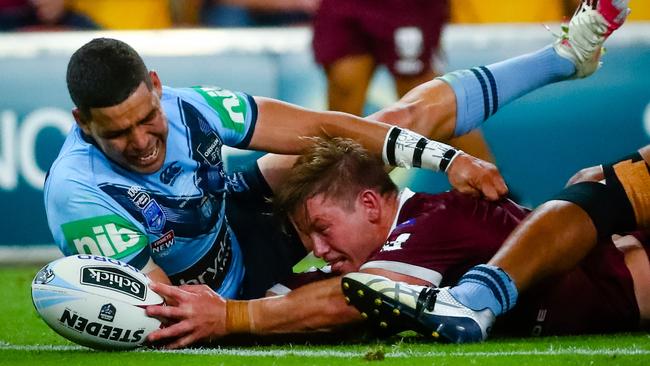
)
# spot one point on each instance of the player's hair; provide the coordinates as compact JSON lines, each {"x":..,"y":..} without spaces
{"x":104,"y":72}
{"x":339,"y":168}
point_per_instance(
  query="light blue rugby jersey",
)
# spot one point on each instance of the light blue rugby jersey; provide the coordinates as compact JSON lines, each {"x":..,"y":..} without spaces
{"x":175,"y":216}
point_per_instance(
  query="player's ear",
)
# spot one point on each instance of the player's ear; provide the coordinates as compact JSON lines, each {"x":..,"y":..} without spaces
{"x":155,"y":82}
{"x":81,"y":120}
{"x":371,"y":203}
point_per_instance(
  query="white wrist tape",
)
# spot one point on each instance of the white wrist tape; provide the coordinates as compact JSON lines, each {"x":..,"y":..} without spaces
{"x":407,"y":149}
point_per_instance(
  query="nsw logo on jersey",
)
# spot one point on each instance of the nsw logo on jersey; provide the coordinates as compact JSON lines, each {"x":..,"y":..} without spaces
{"x":153,"y":214}
{"x":109,"y":235}
{"x":230,"y":107}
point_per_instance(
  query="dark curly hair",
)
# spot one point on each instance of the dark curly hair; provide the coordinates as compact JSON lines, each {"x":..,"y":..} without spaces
{"x":104,"y":72}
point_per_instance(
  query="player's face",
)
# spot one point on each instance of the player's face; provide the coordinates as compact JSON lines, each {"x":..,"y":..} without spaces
{"x":343,"y":237}
{"x":133,"y":133}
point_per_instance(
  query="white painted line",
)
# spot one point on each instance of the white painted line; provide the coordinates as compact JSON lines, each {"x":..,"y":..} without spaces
{"x":246,"y":352}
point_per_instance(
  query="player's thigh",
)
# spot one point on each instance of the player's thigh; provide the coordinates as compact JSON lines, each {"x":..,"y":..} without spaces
{"x":404,"y":83}
{"x":347,"y":82}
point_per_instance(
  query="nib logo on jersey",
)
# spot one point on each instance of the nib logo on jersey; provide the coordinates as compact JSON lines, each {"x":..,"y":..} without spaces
{"x":113,"y":279}
{"x":109,"y":236}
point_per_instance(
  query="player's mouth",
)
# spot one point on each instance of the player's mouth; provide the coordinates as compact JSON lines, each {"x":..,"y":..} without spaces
{"x":148,"y":161}
{"x":337,"y":265}
{"x":147,"y":158}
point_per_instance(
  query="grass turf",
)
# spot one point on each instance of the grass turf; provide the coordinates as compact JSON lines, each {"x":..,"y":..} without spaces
{"x":26,"y":340}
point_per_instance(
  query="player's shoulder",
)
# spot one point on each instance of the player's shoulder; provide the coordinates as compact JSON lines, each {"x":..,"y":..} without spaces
{"x":74,"y":162}
{"x":206,"y":95}
{"x":74,"y":172}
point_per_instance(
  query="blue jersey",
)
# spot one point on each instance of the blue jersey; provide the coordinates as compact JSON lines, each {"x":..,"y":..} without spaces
{"x":175,"y":216}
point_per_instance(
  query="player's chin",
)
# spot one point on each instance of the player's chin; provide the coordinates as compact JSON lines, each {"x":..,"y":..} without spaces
{"x":344,"y":267}
{"x":147,"y":168}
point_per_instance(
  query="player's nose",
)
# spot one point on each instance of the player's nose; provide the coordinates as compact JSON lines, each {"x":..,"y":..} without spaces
{"x":139,"y":139}
{"x":320,"y":247}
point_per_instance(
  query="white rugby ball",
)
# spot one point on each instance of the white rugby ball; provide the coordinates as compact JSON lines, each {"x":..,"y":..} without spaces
{"x":95,"y":301}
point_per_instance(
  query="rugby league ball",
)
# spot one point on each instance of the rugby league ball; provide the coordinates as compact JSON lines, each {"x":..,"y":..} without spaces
{"x":95,"y":301}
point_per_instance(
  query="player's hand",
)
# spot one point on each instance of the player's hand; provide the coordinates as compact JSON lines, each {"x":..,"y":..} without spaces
{"x":591,"y":174}
{"x":476,"y":177}
{"x":198,"y":314}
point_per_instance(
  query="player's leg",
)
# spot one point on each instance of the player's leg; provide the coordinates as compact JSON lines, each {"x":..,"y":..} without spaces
{"x":479,"y":92}
{"x":472,"y":142}
{"x":347,"y":83}
{"x":341,"y":47}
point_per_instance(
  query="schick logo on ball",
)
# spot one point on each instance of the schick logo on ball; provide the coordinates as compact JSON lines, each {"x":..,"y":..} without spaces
{"x":113,"y":279}
{"x":110,"y":236}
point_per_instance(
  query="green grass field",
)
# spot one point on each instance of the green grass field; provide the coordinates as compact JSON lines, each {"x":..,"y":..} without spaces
{"x":26,"y":340}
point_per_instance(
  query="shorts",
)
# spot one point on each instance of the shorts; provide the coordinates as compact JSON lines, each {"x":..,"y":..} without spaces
{"x":596,"y":297}
{"x":401,"y":34}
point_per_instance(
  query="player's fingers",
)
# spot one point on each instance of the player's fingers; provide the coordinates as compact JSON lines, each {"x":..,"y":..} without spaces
{"x":182,"y":342}
{"x":173,"y":331}
{"x":495,"y":189}
{"x":197,"y":289}
{"x":168,"y":292}
{"x":163,"y":311}
{"x":469,"y":190}
{"x":489,"y":192}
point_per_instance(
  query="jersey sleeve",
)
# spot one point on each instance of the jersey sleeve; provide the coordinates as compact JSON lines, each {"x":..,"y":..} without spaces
{"x":232,"y":114}
{"x":83,"y":220}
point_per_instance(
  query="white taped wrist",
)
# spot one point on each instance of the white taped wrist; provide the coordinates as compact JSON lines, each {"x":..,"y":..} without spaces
{"x":407,"y":149}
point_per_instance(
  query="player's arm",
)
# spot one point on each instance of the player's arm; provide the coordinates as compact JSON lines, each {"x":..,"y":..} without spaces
{"x":155,"y":273}
{"x":428,"y":109}
{"x":281,"y":128}
{"x":200,"y":314}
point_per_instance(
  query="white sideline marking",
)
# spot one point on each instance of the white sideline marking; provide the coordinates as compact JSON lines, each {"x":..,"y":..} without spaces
{"x":245,"y":352}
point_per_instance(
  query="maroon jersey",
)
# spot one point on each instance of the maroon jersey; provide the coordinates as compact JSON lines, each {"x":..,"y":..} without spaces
{"x":401,"y":34}
{"x":439,"y":237}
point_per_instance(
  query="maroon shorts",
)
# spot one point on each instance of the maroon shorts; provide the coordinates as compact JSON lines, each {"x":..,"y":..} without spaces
{"x":401,"y":34}
{"x":596,"y":297}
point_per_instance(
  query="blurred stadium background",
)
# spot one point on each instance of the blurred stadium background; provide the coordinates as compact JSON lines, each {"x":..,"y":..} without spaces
{"x":538,"y":141}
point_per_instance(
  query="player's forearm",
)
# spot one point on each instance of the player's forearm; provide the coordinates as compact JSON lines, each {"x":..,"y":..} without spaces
{"x":315,"y":307}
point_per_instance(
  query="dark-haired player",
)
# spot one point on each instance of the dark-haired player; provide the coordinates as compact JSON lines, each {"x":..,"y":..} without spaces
{"x":140,"y":177}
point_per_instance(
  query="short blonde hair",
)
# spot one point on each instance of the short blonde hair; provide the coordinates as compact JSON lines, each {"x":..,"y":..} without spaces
{"x":338,"y":167}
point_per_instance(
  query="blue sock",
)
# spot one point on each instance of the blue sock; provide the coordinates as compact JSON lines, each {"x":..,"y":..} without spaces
{"x":481,"y":91}
{"x":486,"y":286}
